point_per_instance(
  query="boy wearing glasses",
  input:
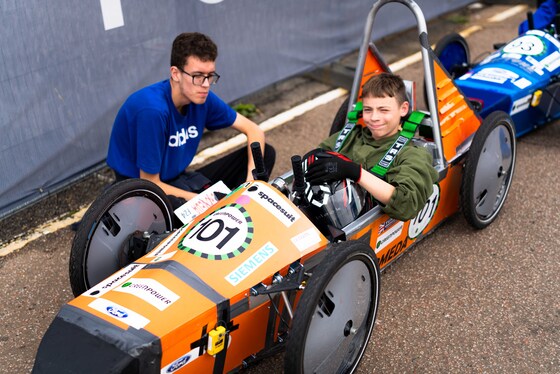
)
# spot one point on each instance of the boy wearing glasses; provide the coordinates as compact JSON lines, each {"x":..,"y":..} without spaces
{"x":157,"y":130}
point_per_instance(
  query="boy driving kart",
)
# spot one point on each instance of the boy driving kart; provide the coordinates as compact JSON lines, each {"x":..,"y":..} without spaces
{"x":408,"y":181}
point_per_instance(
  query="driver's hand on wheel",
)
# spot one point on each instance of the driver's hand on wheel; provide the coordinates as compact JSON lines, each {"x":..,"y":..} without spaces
{"x":331,"y":166}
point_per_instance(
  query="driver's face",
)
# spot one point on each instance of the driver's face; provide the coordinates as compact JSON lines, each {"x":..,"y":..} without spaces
{"x":382,"y":115}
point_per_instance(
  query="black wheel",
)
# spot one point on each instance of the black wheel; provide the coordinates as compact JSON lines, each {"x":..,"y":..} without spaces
{"x":488,"y":170}
{"x":340,"y":118}
{"x":453,"y":52}
{"x":100,"y":246}
{"x":334,"y":318}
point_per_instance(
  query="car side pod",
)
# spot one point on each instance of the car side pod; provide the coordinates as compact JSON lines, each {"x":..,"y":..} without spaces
{"x":109,"y":348}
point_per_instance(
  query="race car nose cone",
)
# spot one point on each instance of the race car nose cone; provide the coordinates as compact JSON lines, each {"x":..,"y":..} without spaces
{"x":77,"y":342}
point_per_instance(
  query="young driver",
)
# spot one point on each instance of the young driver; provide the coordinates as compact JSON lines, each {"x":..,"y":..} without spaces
{"x":408,"y":182}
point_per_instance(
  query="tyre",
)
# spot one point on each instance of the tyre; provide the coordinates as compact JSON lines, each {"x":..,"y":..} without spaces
{"x":454,"y":54}
{"x":488,"y":170}
{"x":100,"y":246}
{"x":340,"y":118}
{"x":334,"y":318}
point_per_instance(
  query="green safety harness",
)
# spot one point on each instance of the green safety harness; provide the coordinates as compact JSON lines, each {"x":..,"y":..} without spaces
{"x":409,"y":126}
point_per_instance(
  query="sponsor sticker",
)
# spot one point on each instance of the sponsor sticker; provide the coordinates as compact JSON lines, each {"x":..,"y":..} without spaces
{"x":423,"y":218}
{"x":552,"y":61}
{"x":271,"y":201}
{"x":393,"y":252}
{"x":520,"y":105}
{"x":386,"y":238}
{"x":522,"y":83}
{"x":114,"y":280}
{"x":221,"y":235}
{"x":251,"y":264}
{"x":386,"y":225}
{"x":149,"y":290}
{"x":164,"y":257}
{"x":536,"y":65}
{"x":119,"y":312}
{"x":526,"y":45}
{"x":494,"y":75}
{"x":185,"y":360}
{"x":306,"y":239}
{"x":198,"y":205}
{"x":181,"y":361}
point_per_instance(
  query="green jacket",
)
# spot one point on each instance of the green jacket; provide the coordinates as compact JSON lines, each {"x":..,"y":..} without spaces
{"x":411,"y":173}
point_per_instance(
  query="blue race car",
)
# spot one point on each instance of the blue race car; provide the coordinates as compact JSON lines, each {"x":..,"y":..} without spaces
{"x":521,"y":78}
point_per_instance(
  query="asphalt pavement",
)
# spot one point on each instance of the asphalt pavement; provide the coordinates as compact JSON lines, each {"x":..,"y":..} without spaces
{"x":461,"y":301}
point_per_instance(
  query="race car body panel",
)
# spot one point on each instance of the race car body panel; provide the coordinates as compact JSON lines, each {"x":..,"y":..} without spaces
{"x":458,"y":121}
{"x":519,"y":79}
{"x":198,"y":280}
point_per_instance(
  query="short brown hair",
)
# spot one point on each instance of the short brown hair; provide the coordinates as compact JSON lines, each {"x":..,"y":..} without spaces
{"x":192,"y":44}
{"x":385,"y":85}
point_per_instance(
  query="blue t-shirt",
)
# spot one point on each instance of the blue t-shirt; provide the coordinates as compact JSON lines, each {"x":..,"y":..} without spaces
{"x":543,"y":16}
{"x":150,"y":134}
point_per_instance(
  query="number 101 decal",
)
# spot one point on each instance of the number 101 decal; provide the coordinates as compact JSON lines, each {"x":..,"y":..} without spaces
{"x":221,"y":235}
{"x":423,"y":218}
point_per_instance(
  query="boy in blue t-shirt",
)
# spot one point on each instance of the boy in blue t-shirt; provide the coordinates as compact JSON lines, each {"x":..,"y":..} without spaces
{"x":157,"y":130}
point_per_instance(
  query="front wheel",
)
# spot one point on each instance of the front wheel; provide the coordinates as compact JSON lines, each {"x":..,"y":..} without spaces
{"x":488,"y":170}
{"x":334,"y":319}
{"x":100,"y":246}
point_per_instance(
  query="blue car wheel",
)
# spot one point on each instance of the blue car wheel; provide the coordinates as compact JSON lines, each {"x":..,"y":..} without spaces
{"x":453,"y":52}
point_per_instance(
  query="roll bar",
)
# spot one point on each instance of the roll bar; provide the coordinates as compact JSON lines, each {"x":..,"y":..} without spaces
{"x":427,"y":62}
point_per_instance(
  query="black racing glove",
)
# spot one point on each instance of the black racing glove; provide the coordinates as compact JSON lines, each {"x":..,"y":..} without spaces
{"x":330,"y":166}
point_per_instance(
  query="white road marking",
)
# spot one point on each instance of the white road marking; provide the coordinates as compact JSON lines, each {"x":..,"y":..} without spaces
{"x":269,"y":124}
{"x":47,"y":228}
{"x":416,"y":57}
{"x":508,"y":13}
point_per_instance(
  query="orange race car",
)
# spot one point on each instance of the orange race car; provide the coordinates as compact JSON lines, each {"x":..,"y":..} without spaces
{"x":270,"y":266}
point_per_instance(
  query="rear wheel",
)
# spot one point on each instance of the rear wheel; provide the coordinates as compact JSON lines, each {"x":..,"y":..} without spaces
{"x":488,"y":170}
{"x":101,"y":245}
{"x":453,"y":52}
{"x":334,"y":319}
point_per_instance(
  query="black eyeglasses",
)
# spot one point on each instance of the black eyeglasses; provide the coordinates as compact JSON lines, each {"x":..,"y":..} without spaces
{"x":198,"y":79}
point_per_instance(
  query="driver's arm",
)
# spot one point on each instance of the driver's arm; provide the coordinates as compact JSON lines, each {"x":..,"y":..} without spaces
{"x":167,"y":188}
{"x":254,"y":134}
{"x":378,"y":188}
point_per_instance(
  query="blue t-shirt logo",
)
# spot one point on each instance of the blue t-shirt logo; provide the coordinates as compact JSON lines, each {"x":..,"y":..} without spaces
{"x":180,"y":138}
